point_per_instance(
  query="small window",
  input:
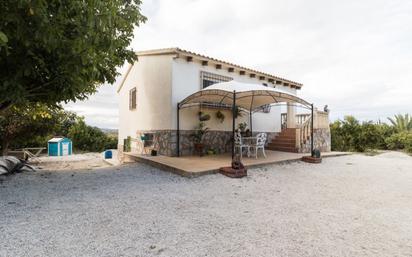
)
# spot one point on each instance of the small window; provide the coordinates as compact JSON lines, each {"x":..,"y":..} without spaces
{"x":132,"y":99}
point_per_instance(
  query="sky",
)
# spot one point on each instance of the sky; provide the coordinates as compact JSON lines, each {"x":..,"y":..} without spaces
{"x":355,"y":56}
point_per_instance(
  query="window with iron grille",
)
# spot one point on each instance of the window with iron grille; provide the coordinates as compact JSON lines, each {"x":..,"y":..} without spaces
{"x":264,"y":108}
{"x":132,"y":99}
{"x":207,"y":79}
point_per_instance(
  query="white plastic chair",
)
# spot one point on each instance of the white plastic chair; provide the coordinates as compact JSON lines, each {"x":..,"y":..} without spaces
{"x":239,"y":144}
{"x":260,"y":144}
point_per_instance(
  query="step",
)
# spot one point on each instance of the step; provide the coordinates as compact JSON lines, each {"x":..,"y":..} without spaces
{"x":287,"y":134}
{"x":283,"y":149}
{"x":282,"y":144}
{"x":283,"y":139}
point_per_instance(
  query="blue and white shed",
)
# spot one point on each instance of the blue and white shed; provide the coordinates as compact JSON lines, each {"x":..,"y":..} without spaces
{"x":59,"y":146}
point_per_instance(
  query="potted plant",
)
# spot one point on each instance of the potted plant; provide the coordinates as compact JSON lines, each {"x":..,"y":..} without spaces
{"x":211,"y":151}
{"x":203,"y":116}
{"x":242,"y":127}
{"x":197,"y":136}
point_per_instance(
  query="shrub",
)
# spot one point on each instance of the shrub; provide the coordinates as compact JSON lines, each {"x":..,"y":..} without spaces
{"x":88,"y":138}
{"x":399,"y":141}
{"x":351,"y":135}
{"x":408,"y":145}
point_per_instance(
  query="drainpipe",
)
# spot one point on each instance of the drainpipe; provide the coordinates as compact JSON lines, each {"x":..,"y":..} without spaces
{"x":311,"y":132}
{"x":251,"y":121}
{"x":178,"y":131}
{"x":233,"y":124}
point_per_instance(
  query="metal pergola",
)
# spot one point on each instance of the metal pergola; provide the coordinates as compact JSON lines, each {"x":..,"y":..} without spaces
{"x":249,"y":97}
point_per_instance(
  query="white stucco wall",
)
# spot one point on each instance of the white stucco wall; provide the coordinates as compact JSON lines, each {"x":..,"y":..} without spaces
{"x":186,"y":81}
{"x":164,"y":80}
{"x":151,"y":75}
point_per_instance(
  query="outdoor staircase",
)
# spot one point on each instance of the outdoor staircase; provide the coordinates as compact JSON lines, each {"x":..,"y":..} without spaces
{"x":285,"y":141}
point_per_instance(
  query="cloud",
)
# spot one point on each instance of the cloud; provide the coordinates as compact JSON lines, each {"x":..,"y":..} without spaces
{"x":353,"y":55}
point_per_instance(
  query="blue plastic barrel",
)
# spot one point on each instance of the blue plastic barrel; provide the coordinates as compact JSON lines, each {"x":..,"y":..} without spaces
{"x":108,"y":154}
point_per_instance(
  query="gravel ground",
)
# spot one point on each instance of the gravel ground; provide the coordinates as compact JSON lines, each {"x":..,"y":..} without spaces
{"x":347,"y":206}
{"x":85,"y":161}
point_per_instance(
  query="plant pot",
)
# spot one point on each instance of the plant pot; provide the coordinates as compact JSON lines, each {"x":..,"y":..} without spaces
{"x":153,"y":153}
{"x":316,"y":153}
{"x":199,"y":148}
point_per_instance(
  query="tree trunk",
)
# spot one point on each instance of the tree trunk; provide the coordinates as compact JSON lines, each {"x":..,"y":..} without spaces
{"x":5,"y":146}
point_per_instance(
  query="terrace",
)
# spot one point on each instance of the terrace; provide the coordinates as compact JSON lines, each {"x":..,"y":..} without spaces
{"x":195,"y":166}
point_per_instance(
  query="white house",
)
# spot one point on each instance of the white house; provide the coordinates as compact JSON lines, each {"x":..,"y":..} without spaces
{"x":155,"y":84}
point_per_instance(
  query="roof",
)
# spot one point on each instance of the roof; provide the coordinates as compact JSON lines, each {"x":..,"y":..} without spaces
{"x":56,"y":139}
{"x":203,"y":58}
{"x":248,"y":96}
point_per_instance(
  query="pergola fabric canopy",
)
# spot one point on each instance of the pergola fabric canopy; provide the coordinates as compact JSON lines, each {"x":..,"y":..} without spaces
{"x":237,"y":94}
{"x":248,"y":96}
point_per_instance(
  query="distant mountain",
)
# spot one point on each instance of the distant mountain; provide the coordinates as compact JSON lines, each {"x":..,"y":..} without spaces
{"x":109,"y":131}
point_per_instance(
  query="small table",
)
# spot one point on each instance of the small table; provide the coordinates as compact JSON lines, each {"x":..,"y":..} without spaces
{"x":250,"y":141}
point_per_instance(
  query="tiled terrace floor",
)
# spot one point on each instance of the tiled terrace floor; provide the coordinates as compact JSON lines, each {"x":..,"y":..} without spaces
{"x":193,"y":166}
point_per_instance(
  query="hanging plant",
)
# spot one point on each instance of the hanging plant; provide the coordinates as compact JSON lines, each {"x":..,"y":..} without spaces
{"x":220,"y":116}
{"x":242,"y":127}
{"x":203,"y":117}
{"x":238,"y":112}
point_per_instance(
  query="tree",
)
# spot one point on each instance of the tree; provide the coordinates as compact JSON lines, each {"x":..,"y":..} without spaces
{"x":402,"y":122}
{"x":55,"y":50}
{"x":88,"y":138}
{"x":32,"y":126}
{"x":23,"y":124}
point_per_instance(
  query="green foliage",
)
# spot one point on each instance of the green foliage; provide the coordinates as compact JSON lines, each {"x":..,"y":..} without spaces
{"x":238,"y":112}
{"x":55,"y":50}
{"x":127,"y":144}
{"x":402,"y":122}
{"x":402,"y":140}
{"x":88,"y":138}
{"x":28,"y":125}
{"x":203,"y":116}
{"x":242,"y":126}
{"x":200,"y":132}
{"x":220,"y":116}
{"x":345,"y":134}
{"x":351,"y":135}
{"x":32,"y":125}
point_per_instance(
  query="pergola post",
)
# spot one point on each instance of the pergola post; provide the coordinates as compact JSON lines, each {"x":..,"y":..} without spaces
{"x":251,"y":122}
{"x":233,"y":123}
{"x":251,"y":113}
{"x":178,"y":131}
{"x":311,"y":131}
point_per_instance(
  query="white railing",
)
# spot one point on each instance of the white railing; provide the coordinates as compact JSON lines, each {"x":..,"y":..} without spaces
{"x":303,"y":132}
{"x":300,"y":119}
{"x":303,"y":125}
